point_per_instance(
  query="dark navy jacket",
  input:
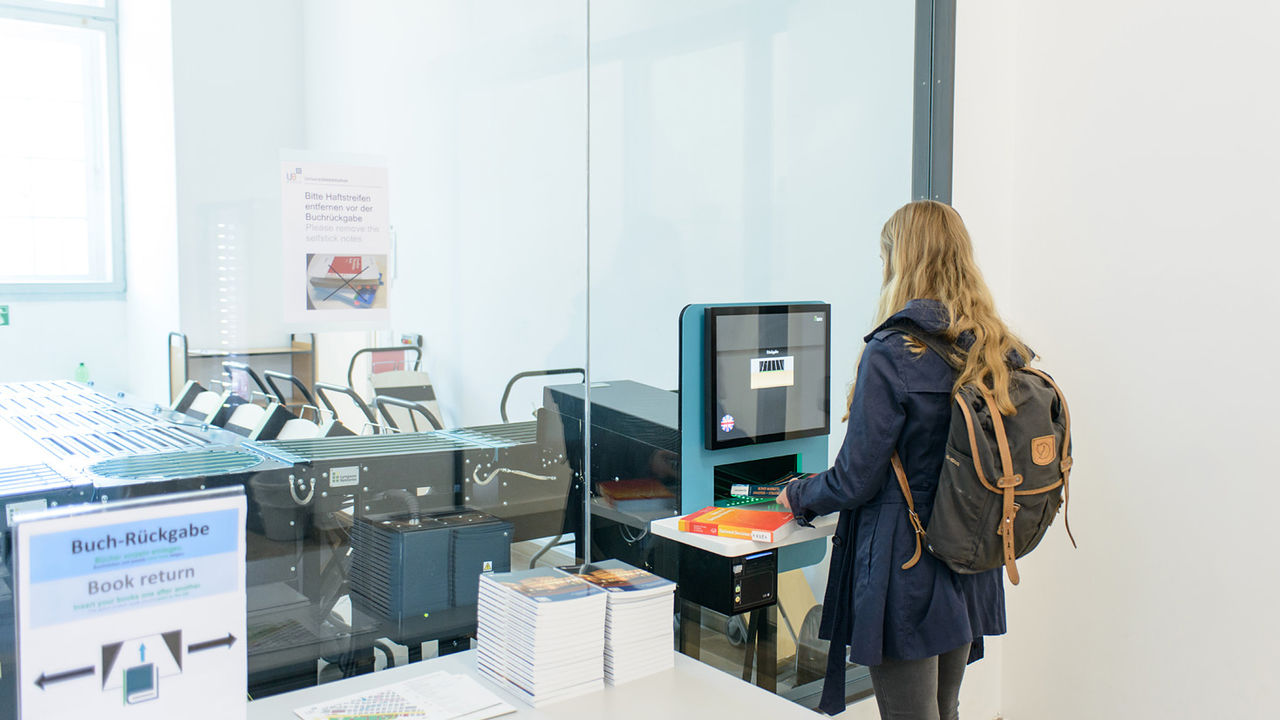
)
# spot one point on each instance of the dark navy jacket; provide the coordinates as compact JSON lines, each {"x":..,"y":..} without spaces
{"x":901,"y":401}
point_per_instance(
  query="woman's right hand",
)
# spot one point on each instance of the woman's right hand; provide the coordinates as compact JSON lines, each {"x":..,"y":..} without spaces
{"x":782,"y":498}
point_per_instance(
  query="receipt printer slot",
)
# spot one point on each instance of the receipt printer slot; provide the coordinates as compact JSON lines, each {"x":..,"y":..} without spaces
{"x":728,"y":585}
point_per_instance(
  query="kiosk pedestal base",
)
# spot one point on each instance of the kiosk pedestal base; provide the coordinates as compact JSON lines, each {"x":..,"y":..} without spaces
{"x":760,"y":653}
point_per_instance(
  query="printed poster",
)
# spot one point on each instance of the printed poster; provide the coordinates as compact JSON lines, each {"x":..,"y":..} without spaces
{"x":337,"y":246}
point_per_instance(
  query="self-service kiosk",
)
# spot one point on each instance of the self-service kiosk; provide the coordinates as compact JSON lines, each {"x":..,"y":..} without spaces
{"x":753,"y":405}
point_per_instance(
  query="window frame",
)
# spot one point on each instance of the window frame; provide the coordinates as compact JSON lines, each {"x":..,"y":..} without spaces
{"x":105,"y":20}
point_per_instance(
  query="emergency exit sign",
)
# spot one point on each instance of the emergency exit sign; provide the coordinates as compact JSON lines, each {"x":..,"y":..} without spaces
{"x":4,"y":315}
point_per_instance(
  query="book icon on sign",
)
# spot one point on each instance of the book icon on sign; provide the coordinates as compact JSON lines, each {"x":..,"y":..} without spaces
{"x":336,"y":282}
{"x":134,"y":667}
{"x":141,"y":683}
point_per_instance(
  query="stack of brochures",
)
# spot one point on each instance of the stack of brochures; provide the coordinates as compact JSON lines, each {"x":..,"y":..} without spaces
{"x":540,"y":634}
{"x":639,"y":631}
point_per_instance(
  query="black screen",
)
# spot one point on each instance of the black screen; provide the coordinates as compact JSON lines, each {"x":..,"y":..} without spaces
{"x":768,"y":373}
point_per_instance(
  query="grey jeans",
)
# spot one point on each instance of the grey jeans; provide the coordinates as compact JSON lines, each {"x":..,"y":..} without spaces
{"x":927,"y":689}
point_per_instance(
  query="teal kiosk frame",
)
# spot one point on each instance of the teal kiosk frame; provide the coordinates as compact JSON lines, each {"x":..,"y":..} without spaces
{"x":698,"y":464}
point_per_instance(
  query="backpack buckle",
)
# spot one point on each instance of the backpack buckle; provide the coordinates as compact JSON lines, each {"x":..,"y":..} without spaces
{"x":1007,"y":520}
{"x":915,"y":522}
{"x":1009,"y":481}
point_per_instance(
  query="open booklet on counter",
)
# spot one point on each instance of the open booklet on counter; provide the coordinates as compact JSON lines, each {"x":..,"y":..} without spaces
{"x":438,"y":696}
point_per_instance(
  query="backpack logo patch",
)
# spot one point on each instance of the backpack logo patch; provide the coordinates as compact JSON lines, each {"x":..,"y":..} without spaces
{"x":1042,"y":450}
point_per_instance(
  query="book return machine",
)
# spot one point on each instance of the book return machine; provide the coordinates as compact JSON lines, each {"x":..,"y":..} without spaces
{"x":348,"y":516}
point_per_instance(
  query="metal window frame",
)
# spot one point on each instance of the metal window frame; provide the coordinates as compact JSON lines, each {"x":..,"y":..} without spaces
{"x":934,"y":100}
{"x":109,"y":10}
{"x":104,"y":20}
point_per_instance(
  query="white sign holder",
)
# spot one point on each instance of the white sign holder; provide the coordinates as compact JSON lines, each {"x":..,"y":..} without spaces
{"x":336,"y":242}
{"x":134,"y":609}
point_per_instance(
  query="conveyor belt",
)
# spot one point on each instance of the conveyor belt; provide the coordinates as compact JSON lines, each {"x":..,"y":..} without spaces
{"x":28,"y":479}
{"x":365,"y":446}
{"x":169,"y":466}
{"x":76,"y":425}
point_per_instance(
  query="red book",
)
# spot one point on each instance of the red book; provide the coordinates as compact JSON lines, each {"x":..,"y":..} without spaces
{"x":740,"y":523}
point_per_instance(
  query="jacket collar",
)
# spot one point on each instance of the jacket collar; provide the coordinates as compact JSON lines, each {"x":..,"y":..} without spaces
{"x":929,"y":315}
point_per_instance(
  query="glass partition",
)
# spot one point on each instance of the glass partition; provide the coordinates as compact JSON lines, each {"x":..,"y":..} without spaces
{"x":388,"y":461}
{"x":741,"y":153}
{"x":708,"y":152}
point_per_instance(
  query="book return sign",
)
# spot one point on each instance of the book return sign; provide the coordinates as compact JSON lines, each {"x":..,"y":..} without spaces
{"x":134,"y":609}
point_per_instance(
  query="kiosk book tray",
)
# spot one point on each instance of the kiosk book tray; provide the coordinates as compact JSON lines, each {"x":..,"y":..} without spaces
{"x":769,"y":490}
{"x":739,"y":523}
{"x":637,"y":495}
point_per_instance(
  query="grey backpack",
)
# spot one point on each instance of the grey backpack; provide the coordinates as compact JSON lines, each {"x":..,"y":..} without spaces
{"x":1003,"y":478}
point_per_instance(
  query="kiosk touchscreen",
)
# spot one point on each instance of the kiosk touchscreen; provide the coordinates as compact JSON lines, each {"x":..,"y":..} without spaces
{"x":768,"y":373}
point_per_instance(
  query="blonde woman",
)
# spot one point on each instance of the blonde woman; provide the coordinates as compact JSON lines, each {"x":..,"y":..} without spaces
{"x":915,"y":629}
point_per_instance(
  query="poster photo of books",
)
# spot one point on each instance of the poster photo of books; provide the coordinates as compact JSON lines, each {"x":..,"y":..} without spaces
{"x":336,"y":242}
{"x":346,"y":282}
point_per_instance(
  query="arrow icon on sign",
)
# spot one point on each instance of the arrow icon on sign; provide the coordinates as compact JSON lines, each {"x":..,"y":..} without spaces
{"x":68,"y":675}
{"x":229,"y":640}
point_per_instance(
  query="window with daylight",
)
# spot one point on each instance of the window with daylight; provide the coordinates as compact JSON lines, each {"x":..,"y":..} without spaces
{"x":60,"y":212}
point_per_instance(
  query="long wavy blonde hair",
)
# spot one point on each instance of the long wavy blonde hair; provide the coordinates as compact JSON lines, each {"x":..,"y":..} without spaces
{"x":928,"y":254}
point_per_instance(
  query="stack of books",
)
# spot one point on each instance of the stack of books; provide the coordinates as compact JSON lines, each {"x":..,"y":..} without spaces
{"x":540,"y":634}
{"x":639,"y":630}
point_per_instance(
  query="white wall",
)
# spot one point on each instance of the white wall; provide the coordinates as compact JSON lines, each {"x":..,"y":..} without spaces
{"x":480,"y":112}
{"x":1121,"y":157}
{"x":238,"y":84}
{"x":742,"y":151}
{"x":150,"y":212}
{"x":47,"y":339}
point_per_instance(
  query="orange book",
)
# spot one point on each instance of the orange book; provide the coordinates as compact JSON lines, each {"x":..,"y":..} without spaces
{"x":740,"y":523}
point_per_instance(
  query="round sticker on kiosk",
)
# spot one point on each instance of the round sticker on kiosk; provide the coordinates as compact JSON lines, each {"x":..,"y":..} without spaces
{"x":726,"y":423}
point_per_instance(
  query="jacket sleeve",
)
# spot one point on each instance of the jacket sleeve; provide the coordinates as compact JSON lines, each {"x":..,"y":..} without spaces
{"x":876,"y":418}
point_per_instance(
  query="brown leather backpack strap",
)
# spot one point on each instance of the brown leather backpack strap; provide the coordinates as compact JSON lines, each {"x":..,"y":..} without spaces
{"x":973,"y":442}
{"x":1066,"y":452}
{"x":1008,"y":483}
{"x":911,"y":508}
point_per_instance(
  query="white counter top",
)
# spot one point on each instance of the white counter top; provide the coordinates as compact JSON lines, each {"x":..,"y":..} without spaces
{"x":731,"y":547}
{"x":690,"y":689}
